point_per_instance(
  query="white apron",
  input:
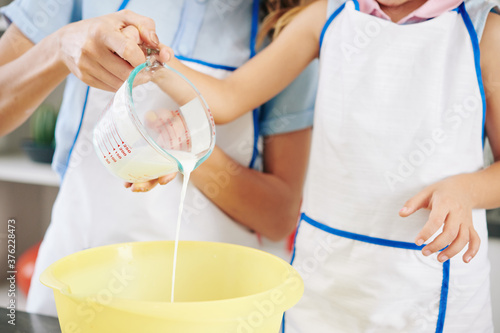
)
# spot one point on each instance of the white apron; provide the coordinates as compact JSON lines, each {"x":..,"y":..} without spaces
{"x":93,"y":208}
{"x":399,"y":107}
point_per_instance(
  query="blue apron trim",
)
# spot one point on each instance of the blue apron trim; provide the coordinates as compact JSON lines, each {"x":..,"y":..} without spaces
{"x":362,"y":238}
{"x":328,"y":22}
{"x":291,"y":263}
{"x":443,"y":301}
{"x":256,"y":133}
{"x":255,"y":27}
{"x":295,"y":239}
{"x":204,"y":63}
{"x":444,"y":297}
{"x":256,"y":124}
{"x":123,"y":5}
{"x":356,"y":5}
{"x":77,"y":133}
{"x":477,"y":58}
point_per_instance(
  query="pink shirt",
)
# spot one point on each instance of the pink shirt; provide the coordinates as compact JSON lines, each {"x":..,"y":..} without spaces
{"x":428,"y":10}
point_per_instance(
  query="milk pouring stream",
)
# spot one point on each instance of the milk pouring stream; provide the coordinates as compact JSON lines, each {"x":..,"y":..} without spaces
{"x":157,"y":123}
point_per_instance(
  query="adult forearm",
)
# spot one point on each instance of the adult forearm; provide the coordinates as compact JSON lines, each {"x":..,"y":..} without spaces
{"x":26,"y":81}
{"x":265,"y":75}
{"x":260,"y":201}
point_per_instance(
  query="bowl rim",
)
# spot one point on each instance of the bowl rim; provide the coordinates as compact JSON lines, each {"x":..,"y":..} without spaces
{"x":177,"y":309}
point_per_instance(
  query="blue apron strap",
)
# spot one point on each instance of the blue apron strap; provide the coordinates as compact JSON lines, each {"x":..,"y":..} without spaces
{"x":255,"y":27}
{"x":356,"y":4}
{"x":477,"y":59}
{"x":360,"y":237}
{"x":443,"y":300}
{"x":253,"y":39}
{"x":123,"y":5}
{"x":328,"y":22}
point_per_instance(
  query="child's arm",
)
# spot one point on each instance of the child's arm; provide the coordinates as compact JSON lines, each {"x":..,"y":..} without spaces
{"x":266,"y":74}
{"x":451,"y":201}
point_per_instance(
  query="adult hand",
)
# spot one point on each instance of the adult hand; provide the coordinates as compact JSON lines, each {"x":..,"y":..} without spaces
{"x":101,"y":52}
{"x":450,"y":204}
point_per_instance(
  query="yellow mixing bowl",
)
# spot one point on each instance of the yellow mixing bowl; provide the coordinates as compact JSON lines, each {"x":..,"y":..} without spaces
{"x":126,"y":288}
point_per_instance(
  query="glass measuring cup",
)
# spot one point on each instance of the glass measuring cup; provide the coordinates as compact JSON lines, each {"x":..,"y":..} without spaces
{"x":157,"y":123}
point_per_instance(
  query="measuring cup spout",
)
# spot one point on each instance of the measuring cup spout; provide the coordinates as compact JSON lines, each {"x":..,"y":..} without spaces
{"x":152,"y":63}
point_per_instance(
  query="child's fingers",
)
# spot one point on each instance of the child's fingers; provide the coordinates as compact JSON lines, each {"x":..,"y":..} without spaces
{"x":450,"y":232}
{"x":166,"y":53}
{"x":167,"y":179}
{"x":456,"y":246}
{"x":436,"y":219}
{"x":419,"y":201}
{"x":145,"y":186}
{"x":149,"y":185}
{"x":150,"y":119}
{"x":474,"y":244}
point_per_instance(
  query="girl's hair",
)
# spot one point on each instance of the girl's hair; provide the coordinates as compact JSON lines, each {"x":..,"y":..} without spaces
{"x":276,"y":15}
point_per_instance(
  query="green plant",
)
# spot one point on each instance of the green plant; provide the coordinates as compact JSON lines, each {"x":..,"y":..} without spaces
{"x":43,"y":124}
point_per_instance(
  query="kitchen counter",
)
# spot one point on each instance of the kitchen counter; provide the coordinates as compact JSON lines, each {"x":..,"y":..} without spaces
{"x":28,"y":323}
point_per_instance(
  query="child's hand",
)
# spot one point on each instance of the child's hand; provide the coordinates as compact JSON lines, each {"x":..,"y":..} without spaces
{"x":149,"y":185}
{"x":450,"y":204}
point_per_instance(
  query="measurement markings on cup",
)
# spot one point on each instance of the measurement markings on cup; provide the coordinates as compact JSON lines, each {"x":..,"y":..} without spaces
{"x":111,"y":152}
{"x":123,"y":144}
{"x":108,"y":134}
